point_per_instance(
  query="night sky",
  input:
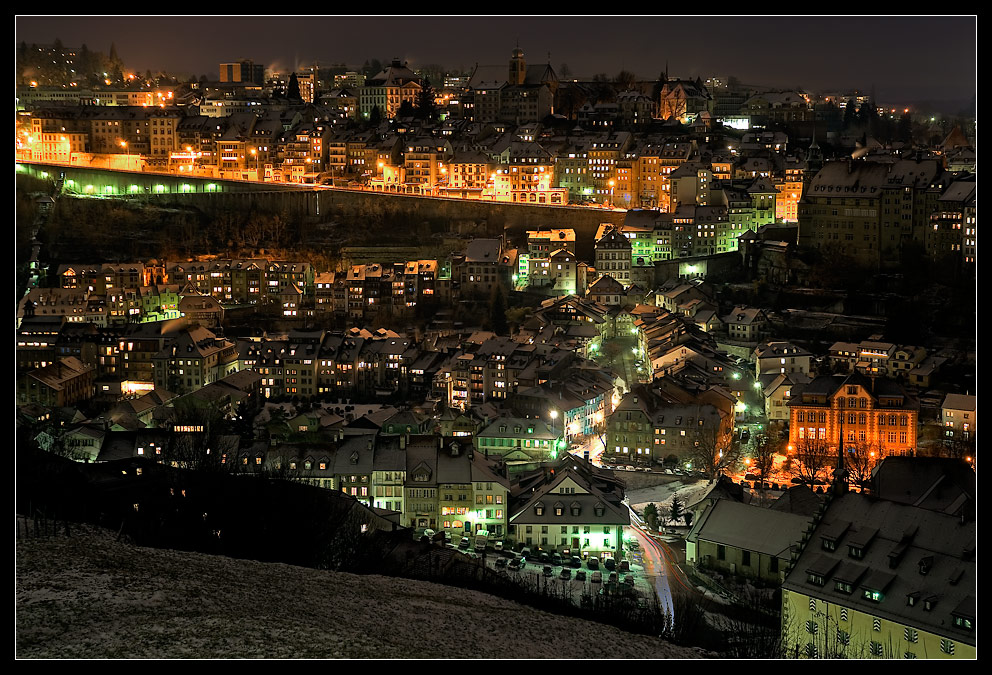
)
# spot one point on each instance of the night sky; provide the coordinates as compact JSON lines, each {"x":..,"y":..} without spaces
{"x":906,"y":59}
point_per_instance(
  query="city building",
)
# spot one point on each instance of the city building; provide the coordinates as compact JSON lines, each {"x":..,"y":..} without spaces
{"x":881,"y":579}
{"x":744,"y":540}
{"x":958,"y":417}
{"x":842,"y":411}
{"x":570,"y":507}
{"x":62,"y":383}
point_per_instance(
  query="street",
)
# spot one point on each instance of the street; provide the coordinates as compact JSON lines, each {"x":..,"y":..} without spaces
{"x":660,"y":564}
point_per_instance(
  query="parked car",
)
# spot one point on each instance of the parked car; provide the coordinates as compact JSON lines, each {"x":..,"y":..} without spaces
{"x":629,"y":579}
{"x":593,"y":563}
{"x":556,"y":559}
{"x":548,"y":571}
{"x":613,"y":577}
{"x":610,"y":564}
{"x":575,"y":561}
{"x":543,"y":557}
{"x":597,"y":577}
{"x":565,"y":574}
{"x":481,"y":541}
{"x":580,"y":575}
{"x":516,"y":564}
{"x":624,"y":566}
{"x":498,"y":546}
{"x":501,"y":562}
{"x":464,"y":543}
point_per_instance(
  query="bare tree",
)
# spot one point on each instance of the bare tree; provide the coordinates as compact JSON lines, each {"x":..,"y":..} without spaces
{"x":750,"y":625}
{"x":959,"y":448}
{"x":860,"y":460}
{"x":199,"y":442}
{"x":625,"y":80}
{"x":812,"y":457}
{"x":714,"y":449}
{"x":763,"y":460}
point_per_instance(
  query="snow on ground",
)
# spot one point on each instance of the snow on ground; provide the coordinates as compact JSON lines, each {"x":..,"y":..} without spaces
{"x":90,"y":596}
{"x":662,"y":495}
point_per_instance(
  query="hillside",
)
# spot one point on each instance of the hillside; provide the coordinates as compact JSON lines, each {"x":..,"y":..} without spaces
{"x":90,"y":596}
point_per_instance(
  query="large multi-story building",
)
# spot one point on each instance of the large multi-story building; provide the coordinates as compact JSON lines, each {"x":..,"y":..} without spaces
{"x":869,"y":210}
{"x":876,"y":578}
{"x":194,"y":359}
{"x":844,"y":411}
{"x":520,"y":93}
{"x":951,"y":233}
{"x":389,"y":89}
{"x":244,"y":71}
{"x":613,"y":255}
{"x":63,"y":383}
{"x":647,"y":427}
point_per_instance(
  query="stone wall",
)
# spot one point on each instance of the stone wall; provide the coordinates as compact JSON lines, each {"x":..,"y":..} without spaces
{"x":364,"y":209}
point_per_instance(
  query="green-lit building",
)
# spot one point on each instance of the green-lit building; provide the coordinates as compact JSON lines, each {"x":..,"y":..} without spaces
{"x":519,"y":441}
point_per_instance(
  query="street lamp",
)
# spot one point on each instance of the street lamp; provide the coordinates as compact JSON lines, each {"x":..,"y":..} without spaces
{"x":189,"y":151}
{"x":554,"y":416}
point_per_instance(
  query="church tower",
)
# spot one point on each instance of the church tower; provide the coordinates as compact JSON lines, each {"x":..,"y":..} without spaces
{"x":518,"y":68}
{"x":814,"y":162}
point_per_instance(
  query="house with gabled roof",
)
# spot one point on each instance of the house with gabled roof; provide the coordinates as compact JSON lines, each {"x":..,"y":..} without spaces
{"x":63,"y":383}
{"x":607,"y":291}
{"x":420,"y":500}
{"x":745,"y":540}
{"x":746,"y":324}
{"x":959,"y":416}
{"x":566,"y":508}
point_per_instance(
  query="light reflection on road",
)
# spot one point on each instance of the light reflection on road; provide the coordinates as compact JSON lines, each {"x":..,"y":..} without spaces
{"x":652,"y":557}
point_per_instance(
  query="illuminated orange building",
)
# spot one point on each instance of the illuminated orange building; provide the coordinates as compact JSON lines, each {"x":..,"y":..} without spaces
{"x":854,"y":410}
{"x":790,"y":190}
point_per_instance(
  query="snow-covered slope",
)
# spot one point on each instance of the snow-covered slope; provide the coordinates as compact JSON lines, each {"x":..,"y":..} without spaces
{"x":90,"y":596}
